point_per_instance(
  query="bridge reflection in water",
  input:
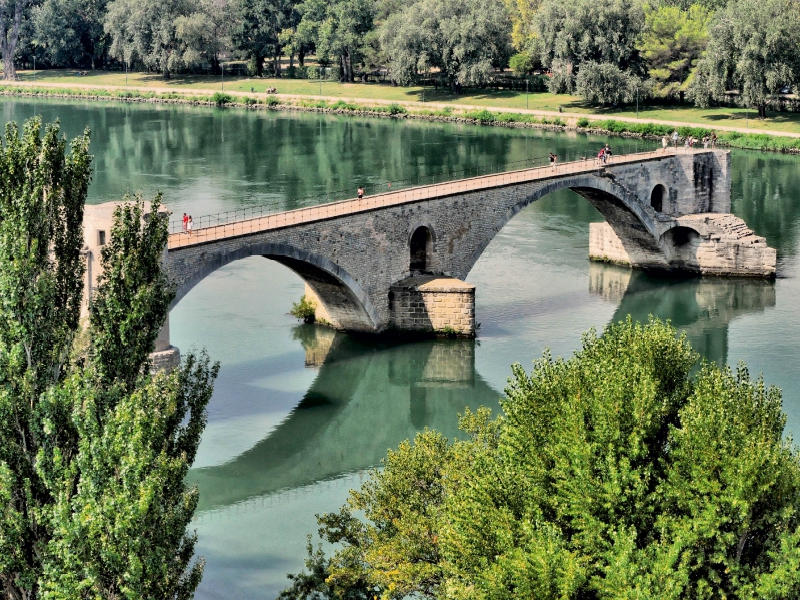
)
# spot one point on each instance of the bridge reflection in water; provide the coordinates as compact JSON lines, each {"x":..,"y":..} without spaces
{"x":369,"y":397}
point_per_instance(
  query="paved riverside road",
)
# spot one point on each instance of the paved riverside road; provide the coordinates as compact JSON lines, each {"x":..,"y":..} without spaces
{"x":330,"y":210}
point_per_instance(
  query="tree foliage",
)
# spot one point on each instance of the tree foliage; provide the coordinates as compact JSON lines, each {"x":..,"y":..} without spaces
{"x":70,"y":32}
{"x":462,"y":40}
{"x":573,"y":32}
{"x":753,"y":48}
{"x":614,"y":474}
{"x":146,"y":30}
{"x":605,"y":83}
{"x":672,"y":43}
{"x":93,"y":448}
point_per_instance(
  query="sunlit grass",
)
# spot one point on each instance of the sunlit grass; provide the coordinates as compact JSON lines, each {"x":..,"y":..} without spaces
{"x":497,"y":99}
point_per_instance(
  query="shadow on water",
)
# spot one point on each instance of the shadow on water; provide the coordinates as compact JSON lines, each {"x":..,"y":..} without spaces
{"x":366,"y":399}
{"x":703,"y":307}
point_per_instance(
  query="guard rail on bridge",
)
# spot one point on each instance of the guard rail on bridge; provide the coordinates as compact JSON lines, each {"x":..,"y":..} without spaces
{"x":276,"y":220}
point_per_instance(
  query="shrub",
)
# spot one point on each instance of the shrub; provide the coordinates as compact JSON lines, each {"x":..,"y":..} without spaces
{"x":250,"y":101}
{"x":221,"y":98}
{"x":583,"y":122}
{"x":521,"y":64}
{"x":484,"y":116}
{"x":273,"y":101}
{"x":304,"y":310}
{"x":396,"y":109}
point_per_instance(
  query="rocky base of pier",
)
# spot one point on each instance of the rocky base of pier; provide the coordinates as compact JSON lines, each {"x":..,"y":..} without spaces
{"x":707,"y":243}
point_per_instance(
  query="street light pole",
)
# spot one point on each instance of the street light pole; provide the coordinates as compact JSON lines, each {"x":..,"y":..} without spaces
{"x":637,"y":101}
{"x":222,"y":64}
{"x":527,"y":81}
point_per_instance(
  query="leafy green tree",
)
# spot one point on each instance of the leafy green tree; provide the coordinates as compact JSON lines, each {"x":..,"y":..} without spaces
{"x":70,"y":32}
{"x":605,"y":83}
{"x":258,"y":28}
{"x":672,"y":43}
{"x":145,"y":30}
{"x":93,"y":448}
{"x":754,"y":48}
{"x":339,"y":30}
{"x":614,"y":474}
{"x":572,"y":32}
{"x":12,"y":13}
{"x":206,"y":32}
{"x":462,"y":40}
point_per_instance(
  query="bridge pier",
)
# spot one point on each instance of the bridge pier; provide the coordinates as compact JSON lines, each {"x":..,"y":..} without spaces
{"x":707,"y":244}
{"x":98,"y":220}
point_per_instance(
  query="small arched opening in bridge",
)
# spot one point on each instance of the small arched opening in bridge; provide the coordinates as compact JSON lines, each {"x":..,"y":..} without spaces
{"x":658,"y":198}
{"x":682,"y":245}
{"x":421,"y":247}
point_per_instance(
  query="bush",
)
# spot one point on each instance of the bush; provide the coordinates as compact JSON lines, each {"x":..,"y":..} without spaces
{"x":521,"y":64}
{"x":250,"y":101}
{"x":273,"y":101}
{"x":221,"y":98}
{"x":583,"y":122}
{"x":304,"y":310}
{"x":484,"y":116}
{"x":396,"y":109}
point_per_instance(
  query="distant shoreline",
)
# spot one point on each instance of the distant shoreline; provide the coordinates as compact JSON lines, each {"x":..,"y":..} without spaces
{"x":403,"y":110}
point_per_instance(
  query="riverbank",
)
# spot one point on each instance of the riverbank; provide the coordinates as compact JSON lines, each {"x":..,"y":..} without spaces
{"x":788,"y":142}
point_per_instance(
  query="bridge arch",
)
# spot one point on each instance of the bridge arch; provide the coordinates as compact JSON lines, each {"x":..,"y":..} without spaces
{"x":345,"y":303}
{"x":636,"y":223}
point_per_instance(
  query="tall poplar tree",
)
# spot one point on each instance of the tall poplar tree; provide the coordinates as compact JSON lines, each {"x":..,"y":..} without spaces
{"x":93,"y":447}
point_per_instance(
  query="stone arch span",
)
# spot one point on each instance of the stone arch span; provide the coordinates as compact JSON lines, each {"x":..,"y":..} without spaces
{"x":636,"y":223}
{"x":343,"y":299}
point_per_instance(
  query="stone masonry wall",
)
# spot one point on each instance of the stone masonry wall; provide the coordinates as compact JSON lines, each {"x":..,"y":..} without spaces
{"x":605,"y":245}
{"x":430,"y":304}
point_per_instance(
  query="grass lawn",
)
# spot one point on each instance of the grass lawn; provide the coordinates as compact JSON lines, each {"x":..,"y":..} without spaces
{"x":500,"y":100}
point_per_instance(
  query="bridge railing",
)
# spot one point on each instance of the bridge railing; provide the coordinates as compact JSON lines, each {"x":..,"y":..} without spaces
{"x":259,"y":218}
{"x":370,"y":189}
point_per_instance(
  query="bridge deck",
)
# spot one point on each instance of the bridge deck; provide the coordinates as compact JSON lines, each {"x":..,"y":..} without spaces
{"x":408,"y":196}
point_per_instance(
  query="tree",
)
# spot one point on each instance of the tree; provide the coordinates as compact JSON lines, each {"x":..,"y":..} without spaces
{"x":11,"y":15}
{"x":522,"y":14}
{"x":70,"y":32}
{"x":614,"y":474}
{"x":464,"y":40}
{"x":672,"y":43}
{"x":339,"y":29}
{"x":754,"y":47}
{"x":572,"y":32}
{"x":146,"y":30}
{"x":606,"y":83}
{"x":93,"y":448}
{"x":259,"y":25}
{"x":206,"y":33}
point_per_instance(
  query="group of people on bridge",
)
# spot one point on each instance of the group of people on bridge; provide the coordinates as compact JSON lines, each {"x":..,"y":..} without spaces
{"x":188,"y":224}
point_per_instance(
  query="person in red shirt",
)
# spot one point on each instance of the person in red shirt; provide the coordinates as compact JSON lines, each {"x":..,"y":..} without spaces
{"x":185,"y":221}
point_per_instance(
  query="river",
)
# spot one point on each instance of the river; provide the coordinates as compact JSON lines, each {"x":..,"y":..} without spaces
{"x":300,"y":413}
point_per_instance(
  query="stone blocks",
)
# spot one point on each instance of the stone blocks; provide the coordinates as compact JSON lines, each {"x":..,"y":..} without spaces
{"x":428,"y":304}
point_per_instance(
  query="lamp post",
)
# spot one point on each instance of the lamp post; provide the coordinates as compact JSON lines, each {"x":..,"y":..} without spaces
{"x":222,"y":65}
{"x":527,"y":81}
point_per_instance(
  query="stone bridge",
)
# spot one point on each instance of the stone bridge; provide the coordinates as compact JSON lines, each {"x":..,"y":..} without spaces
{"x":398,"y":260}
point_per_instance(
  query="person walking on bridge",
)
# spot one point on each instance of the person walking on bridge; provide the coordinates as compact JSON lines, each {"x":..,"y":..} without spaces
{"x":553,"y":159}
{"x":189,"y":225}
{"x":185,"y":221}
{"x":664,"y":144}
{"x":675,"y":137}
{"x":607,"y":154}
{"x":360,"y":193}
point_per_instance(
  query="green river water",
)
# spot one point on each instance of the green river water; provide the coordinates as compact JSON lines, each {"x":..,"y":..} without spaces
{"x":299,"y":413}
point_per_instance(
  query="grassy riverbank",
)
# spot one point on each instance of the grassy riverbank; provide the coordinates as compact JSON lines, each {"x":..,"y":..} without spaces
{"x":499,"y":100}
{"x":101,"y":86}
